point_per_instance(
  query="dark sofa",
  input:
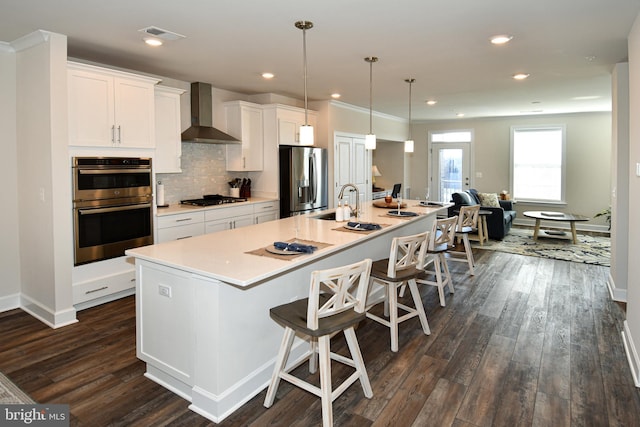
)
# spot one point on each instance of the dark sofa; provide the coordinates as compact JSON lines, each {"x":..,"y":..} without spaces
{"x":498,"y":223}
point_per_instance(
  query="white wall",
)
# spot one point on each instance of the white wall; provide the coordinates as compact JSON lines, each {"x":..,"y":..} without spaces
{"x":389,"y":157}
{"x":632,"y":324}
{"x":44,"y":181}
{"x":588,"y":158}
{"x":337,"y":117}
{"x":618,"y":277}
{"x":10,"y":248}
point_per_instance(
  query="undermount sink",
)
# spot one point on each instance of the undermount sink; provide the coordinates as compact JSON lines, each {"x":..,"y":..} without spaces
{"x":329,"y":216}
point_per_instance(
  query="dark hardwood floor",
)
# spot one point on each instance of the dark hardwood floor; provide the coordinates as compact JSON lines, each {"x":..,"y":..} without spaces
{"x":526,"y":342}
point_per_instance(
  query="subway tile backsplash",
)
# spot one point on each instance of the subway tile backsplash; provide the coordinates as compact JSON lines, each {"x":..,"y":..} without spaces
{"x":203,"y":172}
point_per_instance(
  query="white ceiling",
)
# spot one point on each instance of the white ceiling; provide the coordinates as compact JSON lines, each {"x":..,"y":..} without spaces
{"x":568,"y":46}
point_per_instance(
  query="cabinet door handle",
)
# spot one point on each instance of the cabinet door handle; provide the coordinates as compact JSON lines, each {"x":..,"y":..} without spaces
{"x":183,"y":237}
{"x":183,"y":219}
{"x":96,"y":290}
{"x":119,"y":135}
{"x":113,"y":134}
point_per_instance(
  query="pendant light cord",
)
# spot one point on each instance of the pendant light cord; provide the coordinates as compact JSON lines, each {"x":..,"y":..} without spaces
{"x":304,"y":54}
{"x":371,"y":60}
{"x":371,"y":96}
{"x":304,"y":26}
{"x":410,"y":81}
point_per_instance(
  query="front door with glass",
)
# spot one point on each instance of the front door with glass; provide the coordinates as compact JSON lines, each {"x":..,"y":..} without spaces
{"x":450,"y":158}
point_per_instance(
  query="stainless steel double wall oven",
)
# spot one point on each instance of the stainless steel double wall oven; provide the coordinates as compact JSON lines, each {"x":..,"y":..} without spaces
{"x":112,"y":206}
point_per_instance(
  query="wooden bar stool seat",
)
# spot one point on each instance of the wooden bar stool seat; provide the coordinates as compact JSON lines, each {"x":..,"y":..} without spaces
{"x":336,"y":302}
{"x":442,"y":236}
{"x":467,"y":224}
{"x":400,"y":269}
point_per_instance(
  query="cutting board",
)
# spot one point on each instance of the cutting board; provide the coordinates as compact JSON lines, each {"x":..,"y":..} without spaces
{"x":384,"y":205}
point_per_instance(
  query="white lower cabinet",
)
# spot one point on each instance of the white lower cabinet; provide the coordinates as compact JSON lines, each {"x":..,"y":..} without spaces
{"x":185,"y":225}
{"x":266,"y":211}
{"x":179,"y":226}
{"x":180,"y":232}
{"x":98,"y":282}
{"x":228,"y":218}
{"x":227,"y":223}
{"x":98,"y":288}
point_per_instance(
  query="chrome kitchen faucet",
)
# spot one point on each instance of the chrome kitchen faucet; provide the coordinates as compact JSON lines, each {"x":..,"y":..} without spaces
{"x":357,"y":209}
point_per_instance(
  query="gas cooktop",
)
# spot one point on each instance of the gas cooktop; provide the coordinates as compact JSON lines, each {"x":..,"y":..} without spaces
{"x":213,"y":199}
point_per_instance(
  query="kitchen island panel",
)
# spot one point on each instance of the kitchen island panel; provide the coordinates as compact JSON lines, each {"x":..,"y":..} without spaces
{"x":234,"y":341}
{"x":164,"y":311}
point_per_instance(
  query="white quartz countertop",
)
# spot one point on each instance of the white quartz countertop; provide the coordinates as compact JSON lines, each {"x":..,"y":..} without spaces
{"x":223,"y":255}
{"x":178,"y":208}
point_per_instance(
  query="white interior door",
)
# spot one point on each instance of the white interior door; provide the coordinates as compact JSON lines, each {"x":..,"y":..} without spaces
{"x":450,"y":170}
{"x":352,"y":166}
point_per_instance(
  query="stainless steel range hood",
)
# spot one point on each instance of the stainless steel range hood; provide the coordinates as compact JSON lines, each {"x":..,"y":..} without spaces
{"x":201,"y":129}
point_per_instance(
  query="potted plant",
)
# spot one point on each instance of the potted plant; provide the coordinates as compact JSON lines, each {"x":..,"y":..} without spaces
{"x":606,"y":213}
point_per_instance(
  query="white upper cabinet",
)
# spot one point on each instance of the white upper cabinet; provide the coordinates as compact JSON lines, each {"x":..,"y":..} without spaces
{"x":110,"y":108}
{"x":244,"y":122}
{"x":168,"y":141}
{"x":289,"y":121}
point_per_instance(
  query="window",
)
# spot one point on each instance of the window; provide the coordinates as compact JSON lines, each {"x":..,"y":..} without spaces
{"x":538,"y":163}
{"x":451,"y":136}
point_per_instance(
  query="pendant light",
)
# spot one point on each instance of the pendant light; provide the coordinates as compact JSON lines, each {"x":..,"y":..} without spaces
{"x":370,"y":139}
{"x":408,"y":144}
{"x":306,"y":130}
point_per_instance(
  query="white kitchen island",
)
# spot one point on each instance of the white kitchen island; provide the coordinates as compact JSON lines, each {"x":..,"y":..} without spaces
{"x":202,"y":304}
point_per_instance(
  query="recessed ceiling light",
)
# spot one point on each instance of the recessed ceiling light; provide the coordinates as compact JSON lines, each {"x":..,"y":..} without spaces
{"x":460,"y":115}
{"x":268,"y":76}
{"x":432,"y":102}
{"x":152,"y":42}
{"x":501,"y":39}
{"x":335,"y":95}
{"x":520,"y":76}
{"x":159,"y":33}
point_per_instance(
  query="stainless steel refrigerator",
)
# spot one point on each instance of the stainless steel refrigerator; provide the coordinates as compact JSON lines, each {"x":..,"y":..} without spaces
{"x":303,"y":180}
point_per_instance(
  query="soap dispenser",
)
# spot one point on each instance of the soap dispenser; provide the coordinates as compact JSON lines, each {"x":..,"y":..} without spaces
{"x":339,"y":213}
{"x":347,"y":211}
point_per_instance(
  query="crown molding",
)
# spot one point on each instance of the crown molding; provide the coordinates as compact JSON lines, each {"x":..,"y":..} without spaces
{"x":33,"y":39}
{"x":6,"y":47}
{"x":351,"y":107}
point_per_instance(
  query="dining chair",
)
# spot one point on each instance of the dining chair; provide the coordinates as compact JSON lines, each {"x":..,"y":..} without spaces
{"x":396,"y":190}
{"x":467,"y":224}
{"x":401,"y":268}
{"x":441,"y":240}
{"x":337,"y":298}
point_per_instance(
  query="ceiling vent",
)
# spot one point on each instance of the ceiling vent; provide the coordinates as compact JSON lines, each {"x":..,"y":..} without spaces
{"x":161,"y":34}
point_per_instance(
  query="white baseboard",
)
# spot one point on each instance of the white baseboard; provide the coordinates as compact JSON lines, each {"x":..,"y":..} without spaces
{"x":52,"y":319}
{"x":617,"y":294}
{"x":632,"y":354}
{"x":217,"y":407}
{"x":9,"y":302}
